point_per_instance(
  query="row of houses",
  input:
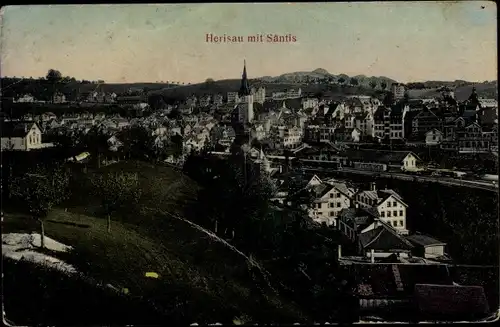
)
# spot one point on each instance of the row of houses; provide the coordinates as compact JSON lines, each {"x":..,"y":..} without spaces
{"x":373,"y":221}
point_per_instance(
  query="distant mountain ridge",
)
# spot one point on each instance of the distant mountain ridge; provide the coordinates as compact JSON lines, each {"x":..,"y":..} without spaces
{"x":323,"y":74}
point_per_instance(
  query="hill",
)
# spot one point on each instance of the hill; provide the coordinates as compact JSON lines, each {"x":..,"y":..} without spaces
{"x":487,"y":90}
{"x":323,"y":74}
{"x":201,"y":278}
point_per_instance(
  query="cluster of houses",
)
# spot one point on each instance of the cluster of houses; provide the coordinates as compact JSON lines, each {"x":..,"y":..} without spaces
{"x":468,"y":127}
{"x":373,"y":221}
{"x":90,"y":98}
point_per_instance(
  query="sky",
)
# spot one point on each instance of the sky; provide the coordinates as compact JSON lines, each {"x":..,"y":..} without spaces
{"x":407,"y":41}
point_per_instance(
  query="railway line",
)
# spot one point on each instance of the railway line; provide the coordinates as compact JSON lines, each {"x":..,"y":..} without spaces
{"x":483,"y":185}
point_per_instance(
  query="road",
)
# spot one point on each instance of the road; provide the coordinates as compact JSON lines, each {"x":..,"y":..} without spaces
{"x":477,"y":184}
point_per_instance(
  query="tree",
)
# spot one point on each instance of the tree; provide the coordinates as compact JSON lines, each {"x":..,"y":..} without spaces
{"x":341,"y":80}
{"x":354,"y":81}
{"x":176,"y":143}
{"x":383,"y":85}
{"x":209,"y":80}
{"x":373,"y":84}
{"x":139,"y":143}
{"x":115,"y":190}
{"x":39,"y":191}
{"x":53,"y":76}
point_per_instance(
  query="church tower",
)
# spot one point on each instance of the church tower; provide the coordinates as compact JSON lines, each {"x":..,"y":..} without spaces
{"x":246,"y":97}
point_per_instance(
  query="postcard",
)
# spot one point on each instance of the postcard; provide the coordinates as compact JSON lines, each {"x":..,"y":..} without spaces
{"x":270,"y":163}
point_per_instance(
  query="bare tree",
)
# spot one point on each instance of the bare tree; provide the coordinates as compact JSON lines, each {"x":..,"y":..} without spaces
{"x":116,"y":190}
{"x":40,"y":190}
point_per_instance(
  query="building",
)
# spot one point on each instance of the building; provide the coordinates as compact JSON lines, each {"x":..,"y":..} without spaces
{"x":309,"y":103}
{"x":389,"y":204}
{"x":433,"y":137}
{"x":398,"y":90}
{"x":289,"y":138}
{"x":244,"y":113}
{"x":232,"y":97}
{"x":388,"y":123}
{"x":372,"y":237}
{"x":471,"y":139}
{"x":21,"y":136}
{"x":26,"y":98}
{"x":325,"y":199}
{"x":205,"y":100}
{"x":293,"y":94}
{"x":59,"y":98}
{"x":423,"y":122}
{"x":259,"y":94}
{"x":426,"y":246}
{"x":279,"y":95}
{"x":218,"y":99}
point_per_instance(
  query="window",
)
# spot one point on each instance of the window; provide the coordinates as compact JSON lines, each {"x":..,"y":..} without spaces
{"x":401,"y":223}
{"x":338,"y":204}
{"x":331,"y":204}
{"x":319,"y":213}
{"x":395,"y":213}
{"x":388,"y":213}
{"x":395,"y":223}
{"x":331,"y":195}
{"x":382,"y":214}
{"x":401,"y":213}
{"x":332,"y":213}
{"x":338,"y":195}
{"x":388,"y":204}
{"x":394,"y":204}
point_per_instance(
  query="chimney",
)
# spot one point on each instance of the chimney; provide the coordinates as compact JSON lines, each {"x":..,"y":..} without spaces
{"x":373,"y":186}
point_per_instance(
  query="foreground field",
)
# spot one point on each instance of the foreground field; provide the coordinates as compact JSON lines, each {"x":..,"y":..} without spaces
{"x":200,"y":278}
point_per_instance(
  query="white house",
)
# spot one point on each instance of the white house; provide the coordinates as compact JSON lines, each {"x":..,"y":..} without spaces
{"x":411,"y":162}
{"x":356,"y":135}
{"x":389,"y":204}
{"x":26,"y":98}
{"x":22,"y":136}
{"x":309,"y":103}
{"x":433,"y":137}
{"x":329,"y":198}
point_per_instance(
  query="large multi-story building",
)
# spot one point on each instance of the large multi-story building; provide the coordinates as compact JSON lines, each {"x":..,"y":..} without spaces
{"x":425,"y":121}
{"x":398,"y":90}
{"x":389,"y":204}
{"x":259,"y":95}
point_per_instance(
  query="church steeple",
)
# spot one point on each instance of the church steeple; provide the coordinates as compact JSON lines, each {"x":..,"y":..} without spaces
{"x":245,"y":87}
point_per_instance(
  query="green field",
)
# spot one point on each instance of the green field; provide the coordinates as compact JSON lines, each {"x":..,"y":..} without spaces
{"x":199,"y":277}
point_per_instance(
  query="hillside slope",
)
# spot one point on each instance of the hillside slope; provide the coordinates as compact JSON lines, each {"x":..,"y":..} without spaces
{"x":201,"y":278}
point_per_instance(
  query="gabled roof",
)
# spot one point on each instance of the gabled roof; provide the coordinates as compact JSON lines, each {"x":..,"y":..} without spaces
{"x":16,"y":129}
{"x":434,"y":131}
{"x":384,"y":238}
{"x":424,"y":240}
{"x":360,"y":217}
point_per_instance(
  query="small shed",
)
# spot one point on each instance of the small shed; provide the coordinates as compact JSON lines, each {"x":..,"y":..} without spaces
{"x":426,"y":246}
